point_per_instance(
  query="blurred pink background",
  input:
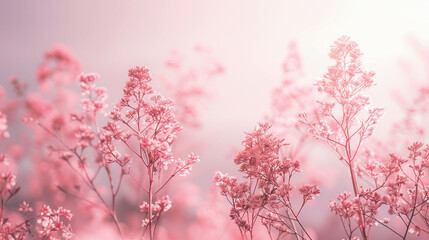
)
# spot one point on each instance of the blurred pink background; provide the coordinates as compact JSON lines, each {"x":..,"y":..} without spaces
{"x":250,"y":39}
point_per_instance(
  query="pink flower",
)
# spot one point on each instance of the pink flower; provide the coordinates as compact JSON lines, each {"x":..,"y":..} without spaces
{"x":184,"y":167}
{"x":8,"y":181}
{"x":50,"y":221}
{"x":25,"y":207}
{"x":94,"y":96}
{"x":308,"y":191}
{"x":59,"y":64}
{"x":3,"y":126}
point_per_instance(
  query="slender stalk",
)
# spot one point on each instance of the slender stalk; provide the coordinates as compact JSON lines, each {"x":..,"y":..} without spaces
{"x":356,"y":192}
{"x":150,"y":201}
{"x":412,"y":214}
{"x":293,"y":226}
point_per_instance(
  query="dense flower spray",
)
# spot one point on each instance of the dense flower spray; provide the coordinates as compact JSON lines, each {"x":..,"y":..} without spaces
{"x":71,"y":136}
{"x":144,"y":123}
{"x":344,"y":125}
{"x":265,"y":195}
{"x":73,"y":141}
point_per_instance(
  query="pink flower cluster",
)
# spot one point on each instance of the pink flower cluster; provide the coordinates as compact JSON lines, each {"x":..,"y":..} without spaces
{"x":343,"y":124}
{"x":94,"y":96}
{"x":159,"y":208}
{"x":50,"y":221}
{"x":265,"y":195}
{"x":393,"y":182}
{"x":59,"y":65}
{"x":146,"y":126}
{"x":398,"y":184}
